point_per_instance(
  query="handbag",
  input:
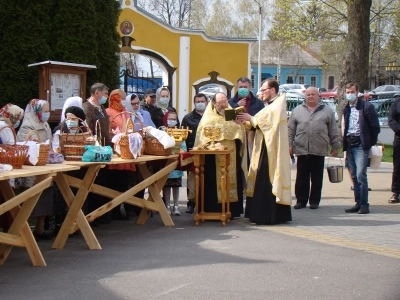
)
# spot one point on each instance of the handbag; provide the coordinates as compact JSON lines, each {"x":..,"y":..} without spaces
{"x":375,"y":156}
{"x":55,"y":158}
{"x":97,"y":153}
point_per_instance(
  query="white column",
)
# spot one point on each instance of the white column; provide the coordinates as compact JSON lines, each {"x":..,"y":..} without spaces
{"x":184,"y":73}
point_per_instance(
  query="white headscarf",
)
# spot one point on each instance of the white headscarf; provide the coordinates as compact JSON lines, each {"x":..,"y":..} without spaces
{"x":129,"y":108}
{"x":71,"y":101}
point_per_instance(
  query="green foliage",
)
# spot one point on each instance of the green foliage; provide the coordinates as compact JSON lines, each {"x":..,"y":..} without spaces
{"x":24,"y":35}
{"x":107,"y":71}
{"x":79,"y":31}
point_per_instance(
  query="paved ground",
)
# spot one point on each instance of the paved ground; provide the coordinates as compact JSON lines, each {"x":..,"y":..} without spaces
{"x":322,"y":254}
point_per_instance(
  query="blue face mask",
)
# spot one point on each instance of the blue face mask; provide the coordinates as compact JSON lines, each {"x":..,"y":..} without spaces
{"x":103,"y":100}
{"x":201,"y":106}
{"x":243,"y":92}
{"x":72,"y":123}
{"x":45,"y":116}
{"x":171,"y":123}
{"x":164,"y":101}
{"x":16,"y":124}
{"x":351,"y":97}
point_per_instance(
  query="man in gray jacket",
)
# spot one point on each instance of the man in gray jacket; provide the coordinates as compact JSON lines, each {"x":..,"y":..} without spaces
{"x":312,"y":128}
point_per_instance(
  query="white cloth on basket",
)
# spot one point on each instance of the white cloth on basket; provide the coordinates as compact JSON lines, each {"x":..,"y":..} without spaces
{"x":166,"y":140}
{"x":135,"y":143}
{"x":33,"y":151}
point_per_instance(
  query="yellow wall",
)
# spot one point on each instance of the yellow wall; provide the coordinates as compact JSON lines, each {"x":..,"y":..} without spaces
{"x":229,"y":59}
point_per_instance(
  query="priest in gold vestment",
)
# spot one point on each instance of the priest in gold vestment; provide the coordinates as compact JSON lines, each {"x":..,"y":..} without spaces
{"x":268,"y":192}
{"x":232,"y":137}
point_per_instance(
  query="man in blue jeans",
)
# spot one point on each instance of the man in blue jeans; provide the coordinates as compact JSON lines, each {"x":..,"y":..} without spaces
{"x":361,"y":129}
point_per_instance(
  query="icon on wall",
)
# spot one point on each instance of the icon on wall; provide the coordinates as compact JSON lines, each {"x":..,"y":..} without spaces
{"x":126,"y":27}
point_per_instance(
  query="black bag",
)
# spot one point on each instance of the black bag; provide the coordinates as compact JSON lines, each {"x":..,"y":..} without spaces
{"x":353,"y":140}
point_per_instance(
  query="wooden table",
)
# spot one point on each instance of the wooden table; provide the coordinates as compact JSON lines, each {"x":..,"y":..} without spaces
{"x":19,"y":233}
{"x":199,"y":160}
{"x":76,"y":219}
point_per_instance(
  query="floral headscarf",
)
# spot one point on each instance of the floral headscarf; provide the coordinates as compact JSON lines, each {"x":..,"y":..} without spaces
{"x":35,"y":106}
{"x":115,"y":100}
{"x":12,"y":112}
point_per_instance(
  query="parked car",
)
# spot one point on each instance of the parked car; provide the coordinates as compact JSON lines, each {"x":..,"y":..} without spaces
{"x":382,"y":107}
{"x":383,"y":92}
{"x":211,"y":91}
{"x":330,"y":95}
{"x":291,"y":94}
{"x":321,"y":90}
{"x":332,"y":104}
{"x":210,"y":85}
{"x":299,"y":88}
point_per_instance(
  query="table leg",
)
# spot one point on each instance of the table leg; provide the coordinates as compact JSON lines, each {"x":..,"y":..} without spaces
{"x":201,"y":189}
{"x":228,"y":185}
{"x":75,"y":209}
{"x":20,"y":225}
{"x":154,"y":193}
{"x":222,"y":164}
{"x":197,"y":188}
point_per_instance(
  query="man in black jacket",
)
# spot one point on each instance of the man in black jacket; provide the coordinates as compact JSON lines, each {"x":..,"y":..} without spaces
{"x":394,"y":123}
{"x":192,"y":120}
{"x":361,"y":129}
{"x":244,"y":97}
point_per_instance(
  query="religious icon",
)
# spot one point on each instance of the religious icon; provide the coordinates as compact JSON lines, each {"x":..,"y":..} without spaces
{"x":126,"y":27}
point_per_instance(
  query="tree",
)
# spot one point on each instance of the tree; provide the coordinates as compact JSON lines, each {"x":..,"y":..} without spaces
{"x":24,"y":40}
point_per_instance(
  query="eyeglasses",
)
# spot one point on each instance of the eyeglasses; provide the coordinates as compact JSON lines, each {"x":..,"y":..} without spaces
{"x":135,"y":103}
{"x":222,"y":102}
{"x":263,"y":90}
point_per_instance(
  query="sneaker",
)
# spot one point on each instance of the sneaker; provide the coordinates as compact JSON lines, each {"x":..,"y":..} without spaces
{"x":314,"y":206}
{"x":394,"y":198}
{"x":169,"y":209}
{"x":354,"y":209}
{"x":293,"y":161}
{"x":176,"y":211}
{"x":190,"y":210}
{"x":363,"y":210}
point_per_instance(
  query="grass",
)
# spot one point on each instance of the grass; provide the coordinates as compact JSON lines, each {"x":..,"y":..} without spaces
{"x":387,"y":154}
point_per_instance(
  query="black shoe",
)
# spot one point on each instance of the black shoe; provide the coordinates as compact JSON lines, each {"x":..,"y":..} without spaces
{"x":354,"y":209}
{"x":369,"y":189}
{"x":299,"y":206}
{"x":394,"y":198}
{"x":364,"y":210}
{"x":314,"y":206}
{"x":352,"y":188}
{"x":190,"y":209}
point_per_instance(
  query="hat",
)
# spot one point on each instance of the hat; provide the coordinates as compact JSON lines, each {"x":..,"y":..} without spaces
{"x":150,"y":92}
{"x":77,"y":111}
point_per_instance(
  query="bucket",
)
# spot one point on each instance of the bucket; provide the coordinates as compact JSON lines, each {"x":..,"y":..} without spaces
{"x":335,"y":173}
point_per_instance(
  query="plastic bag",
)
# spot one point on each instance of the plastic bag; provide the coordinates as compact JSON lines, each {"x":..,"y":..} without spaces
{"x":97,"y":153}
{"x":375,"y":156}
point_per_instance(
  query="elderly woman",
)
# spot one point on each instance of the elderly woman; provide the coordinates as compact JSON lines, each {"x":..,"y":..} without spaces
{"x":10,"y":115}
{"x":71,"y":101}
{"x":37,"y":113}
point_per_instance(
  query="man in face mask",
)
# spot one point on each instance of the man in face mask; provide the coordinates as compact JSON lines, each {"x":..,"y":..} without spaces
{"x":191,"y":121}
{"x":244,"y":97}
{"x":361,"y":129}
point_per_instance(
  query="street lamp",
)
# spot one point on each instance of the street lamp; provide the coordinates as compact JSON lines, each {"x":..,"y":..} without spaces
{"x":259,"y":45}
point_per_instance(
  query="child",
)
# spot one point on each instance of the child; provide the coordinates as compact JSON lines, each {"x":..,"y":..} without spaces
{"x":174,"y":180}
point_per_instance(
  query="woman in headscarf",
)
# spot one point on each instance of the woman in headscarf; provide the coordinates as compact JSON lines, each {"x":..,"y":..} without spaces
{"x":71,"y":101}
{"x":132,"y":104}
{"x":74,"y":118}
{"x":115,"y":107}
{"x":120,"y":172}
{"x":37,"y":113}
{"x":10,"y":115}
{"x":163,"y":101}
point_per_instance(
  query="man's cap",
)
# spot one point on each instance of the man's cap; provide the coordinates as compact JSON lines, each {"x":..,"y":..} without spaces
{"x":150,"y":92}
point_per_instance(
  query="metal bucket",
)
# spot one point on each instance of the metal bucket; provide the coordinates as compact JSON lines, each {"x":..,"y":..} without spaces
{"x":335,"y":173}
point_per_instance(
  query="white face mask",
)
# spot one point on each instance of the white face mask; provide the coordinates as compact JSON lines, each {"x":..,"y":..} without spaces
{"x":164,"y":101}
{"x":351,"y":97}
{"x":171,"y":123}
{"x":16,"y":124}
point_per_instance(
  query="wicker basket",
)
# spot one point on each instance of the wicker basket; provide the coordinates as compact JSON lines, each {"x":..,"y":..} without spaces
{"x":44,"y":150}
{"x":154,"y":147}
{"x":14,"y":155}
{"x":73,"y":144}
{"x":124,"y":140}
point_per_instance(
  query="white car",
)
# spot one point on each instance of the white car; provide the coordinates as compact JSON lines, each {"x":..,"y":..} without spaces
{"x":298,"y":88}
{"x":211,"y":91}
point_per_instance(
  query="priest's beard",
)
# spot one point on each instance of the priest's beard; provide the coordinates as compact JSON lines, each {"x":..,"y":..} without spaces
{"x":221,"y":112}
